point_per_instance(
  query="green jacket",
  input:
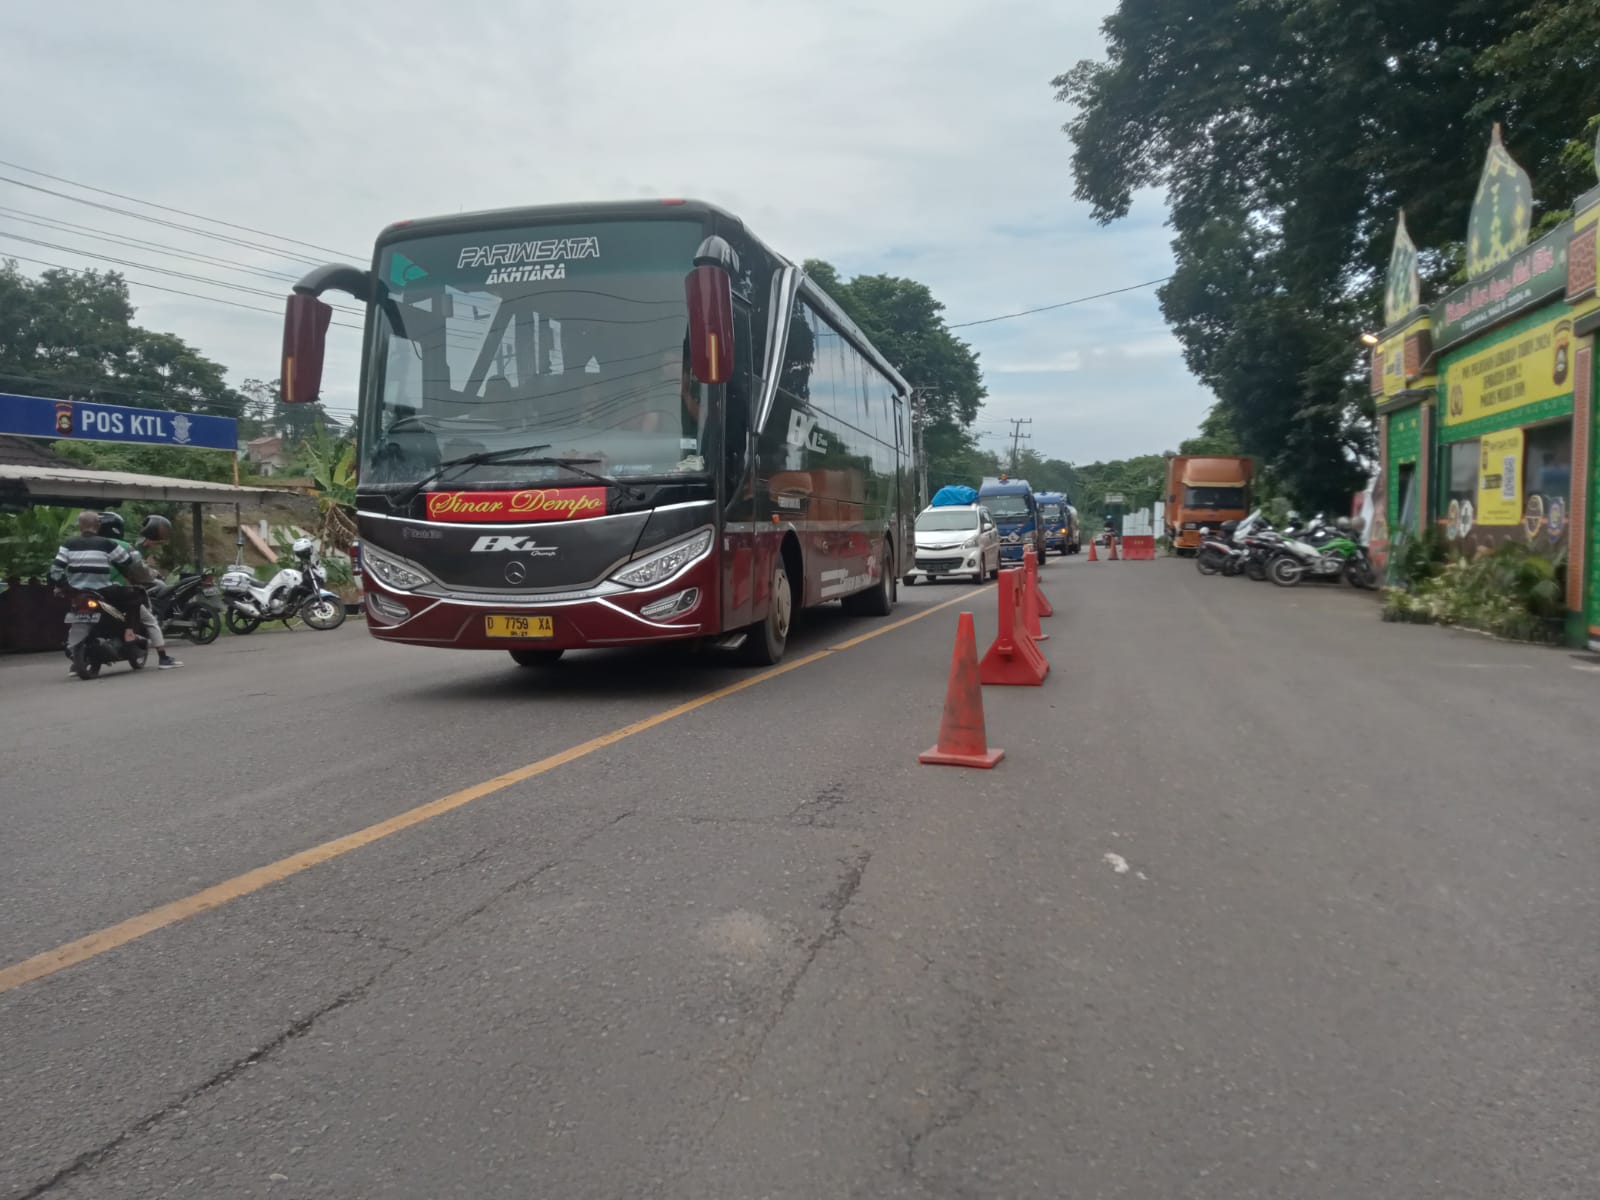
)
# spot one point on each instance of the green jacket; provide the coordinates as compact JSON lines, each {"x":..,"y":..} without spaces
{"x":137,"y":563}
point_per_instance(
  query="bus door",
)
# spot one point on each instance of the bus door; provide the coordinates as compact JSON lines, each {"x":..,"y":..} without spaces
{"x":736,"y":478}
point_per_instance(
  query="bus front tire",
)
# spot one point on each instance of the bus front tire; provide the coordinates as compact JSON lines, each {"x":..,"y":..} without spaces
{"x":766,"y":640}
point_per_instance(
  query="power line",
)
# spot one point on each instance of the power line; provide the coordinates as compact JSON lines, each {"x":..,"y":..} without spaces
{"x":126,"y":262}
{"x":111,"y":387}
{"x":271,"y":312}
{"x":133,"y":243}
{"x":279,"y":251}
{"x":179,"y":211}
{"x":162,"y":400}
{"x":1028,"y":312}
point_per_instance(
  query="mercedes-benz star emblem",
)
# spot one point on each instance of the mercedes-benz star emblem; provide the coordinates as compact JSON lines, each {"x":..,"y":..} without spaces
{"x":516,"y":571}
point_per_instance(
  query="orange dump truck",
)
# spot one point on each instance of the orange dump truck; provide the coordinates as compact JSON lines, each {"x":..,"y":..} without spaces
{"x":1204,"y":490}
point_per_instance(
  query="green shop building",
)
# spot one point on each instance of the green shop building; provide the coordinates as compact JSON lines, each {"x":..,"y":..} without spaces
{"x":1485,"y":399}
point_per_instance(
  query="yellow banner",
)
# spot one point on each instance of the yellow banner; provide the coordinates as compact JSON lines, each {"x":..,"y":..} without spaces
{"x":1500,"y":479}
{"x":1526,"y":368}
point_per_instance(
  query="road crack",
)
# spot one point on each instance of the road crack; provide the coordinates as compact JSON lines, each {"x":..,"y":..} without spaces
{"x":91,"y":1158}
{"x":964,"y":1089}
{"x":834,"y":904}
{"x":821,"y":808}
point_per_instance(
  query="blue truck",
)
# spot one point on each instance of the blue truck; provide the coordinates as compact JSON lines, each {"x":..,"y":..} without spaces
{"x":1015,"y":509}
{"x":1060,"y":521}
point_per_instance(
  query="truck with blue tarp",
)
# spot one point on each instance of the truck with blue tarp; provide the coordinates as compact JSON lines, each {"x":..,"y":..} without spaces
{"x":1060,"y":522}
{"x":1015,"y":508}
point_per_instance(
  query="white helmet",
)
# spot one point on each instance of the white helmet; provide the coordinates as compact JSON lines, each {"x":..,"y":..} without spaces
{"x":303,"y":547}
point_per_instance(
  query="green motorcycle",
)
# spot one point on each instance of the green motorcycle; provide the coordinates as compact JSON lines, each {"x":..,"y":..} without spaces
{"x":1323,"y":553}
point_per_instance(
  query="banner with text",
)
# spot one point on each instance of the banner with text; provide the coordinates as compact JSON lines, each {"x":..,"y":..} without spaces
{"x":1525,"y":368}
{"x":1500,"y":479}
{"x":1531,"y":277}
{"x":85,"y":420}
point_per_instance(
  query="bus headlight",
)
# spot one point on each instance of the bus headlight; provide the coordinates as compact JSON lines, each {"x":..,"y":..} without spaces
{"x":663,"y":564}
{"x":386,"y":568}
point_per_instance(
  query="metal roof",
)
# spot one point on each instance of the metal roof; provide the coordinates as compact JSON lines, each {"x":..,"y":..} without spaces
{"x":74,"y":485}
{"x":24,"y":452}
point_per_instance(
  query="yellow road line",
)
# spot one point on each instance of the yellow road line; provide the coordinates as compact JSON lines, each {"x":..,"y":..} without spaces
{"x":72,"y":953}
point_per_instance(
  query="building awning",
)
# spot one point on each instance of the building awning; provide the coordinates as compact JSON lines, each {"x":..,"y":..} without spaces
{"x":21,"y":486}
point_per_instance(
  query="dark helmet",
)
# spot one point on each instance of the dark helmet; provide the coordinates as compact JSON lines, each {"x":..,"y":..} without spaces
{"x":111,"y":525}
{"x":156,"y":528}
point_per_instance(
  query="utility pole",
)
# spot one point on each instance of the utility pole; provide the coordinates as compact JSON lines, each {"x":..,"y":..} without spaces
{"x":1018,"y":436}
{"x":919,"y":422}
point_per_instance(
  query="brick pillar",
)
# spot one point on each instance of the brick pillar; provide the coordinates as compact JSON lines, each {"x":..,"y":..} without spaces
{"x":1424,"y":465}
{"x":1578,"y":501}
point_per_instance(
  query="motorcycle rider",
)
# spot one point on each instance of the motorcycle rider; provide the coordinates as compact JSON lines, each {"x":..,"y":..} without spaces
{"x":111,"y":527}
{"x":93,"y":562}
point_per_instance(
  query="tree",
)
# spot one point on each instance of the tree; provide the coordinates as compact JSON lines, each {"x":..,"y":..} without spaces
{"x":1046,"y":474}
{"x":1546,"y":75}
{"x":71,"y":334}
{"x":904,"y":321}
{"x":1286,"y":138}
{"x":1216,"y":436}
{"x":1140,"y":481}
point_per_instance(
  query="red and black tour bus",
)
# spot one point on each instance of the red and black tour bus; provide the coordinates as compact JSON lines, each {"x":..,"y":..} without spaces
{"x":607,"y":425}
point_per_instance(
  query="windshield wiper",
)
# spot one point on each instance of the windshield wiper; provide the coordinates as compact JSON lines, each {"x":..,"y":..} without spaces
{"x":411,"y":492}
{"x":574,"y":465}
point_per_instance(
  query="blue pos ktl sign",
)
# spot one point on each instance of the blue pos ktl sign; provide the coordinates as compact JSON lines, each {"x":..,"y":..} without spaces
{"x":40,"y":417}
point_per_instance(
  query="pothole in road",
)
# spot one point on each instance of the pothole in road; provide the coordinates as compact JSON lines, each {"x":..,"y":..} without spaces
{"x":741,"y":935}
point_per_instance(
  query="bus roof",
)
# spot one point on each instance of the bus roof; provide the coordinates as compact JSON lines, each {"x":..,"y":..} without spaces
{"x":662,"y":209}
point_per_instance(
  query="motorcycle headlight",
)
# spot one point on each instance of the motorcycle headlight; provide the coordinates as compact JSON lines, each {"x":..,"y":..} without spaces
{"x":660,"y":565}
{"x":395,"y":572}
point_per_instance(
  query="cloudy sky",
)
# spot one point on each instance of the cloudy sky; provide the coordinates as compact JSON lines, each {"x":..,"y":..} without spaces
{"x":917,"y":137}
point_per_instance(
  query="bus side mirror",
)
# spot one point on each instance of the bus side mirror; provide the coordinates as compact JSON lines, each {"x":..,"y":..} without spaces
{"x":305,"y":340}
{"x":710,"y":296}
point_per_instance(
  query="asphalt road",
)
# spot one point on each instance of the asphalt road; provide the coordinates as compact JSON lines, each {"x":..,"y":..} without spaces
{"x":750,"y":948}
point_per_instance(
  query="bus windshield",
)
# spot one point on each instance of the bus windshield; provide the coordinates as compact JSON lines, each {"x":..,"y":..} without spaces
{"x":1006,"y":508}
{"x":568,"y":338}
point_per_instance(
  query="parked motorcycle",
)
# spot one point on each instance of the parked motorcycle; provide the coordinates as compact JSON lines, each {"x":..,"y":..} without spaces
{"x":1323,"y":553}
{"x":298,"y":591}
{"x":184,"y":611}
{"x":113,"y":615}
{"x":1221,"y":551}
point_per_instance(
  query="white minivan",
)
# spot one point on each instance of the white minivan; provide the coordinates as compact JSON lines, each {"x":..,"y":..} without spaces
{"x":958,"y":539}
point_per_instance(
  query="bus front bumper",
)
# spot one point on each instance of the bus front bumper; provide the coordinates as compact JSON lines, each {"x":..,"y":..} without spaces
{"x":685,"y":606}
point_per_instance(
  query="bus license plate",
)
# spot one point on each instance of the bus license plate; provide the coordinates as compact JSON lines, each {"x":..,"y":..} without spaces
{"x":497,"y":626}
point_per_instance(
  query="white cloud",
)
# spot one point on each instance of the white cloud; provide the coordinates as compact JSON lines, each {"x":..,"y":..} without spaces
{"x":915,"y":138}
{"x":1067,"y":360}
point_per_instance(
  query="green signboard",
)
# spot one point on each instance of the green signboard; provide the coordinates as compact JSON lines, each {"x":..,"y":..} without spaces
{"x":1529,"y":277}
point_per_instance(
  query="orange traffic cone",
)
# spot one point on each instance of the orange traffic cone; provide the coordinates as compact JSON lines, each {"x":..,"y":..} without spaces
{"x":1014,"y":659}
{"x":1093,"y":557}
{"x":1030,"y":601}
{"x":1113,"y":544}
{"x":963,"y":740}
{"x":1041,"y":602}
